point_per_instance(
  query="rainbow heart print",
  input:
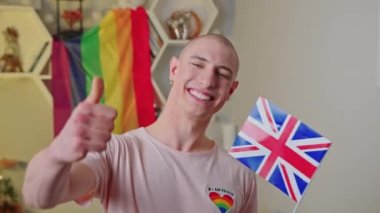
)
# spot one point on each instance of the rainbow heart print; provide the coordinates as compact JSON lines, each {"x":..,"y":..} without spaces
{"x":224,"y":203}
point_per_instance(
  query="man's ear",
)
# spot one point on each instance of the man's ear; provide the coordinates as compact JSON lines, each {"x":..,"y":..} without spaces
{"x":233,"y":87}
{"x":173,"y":67}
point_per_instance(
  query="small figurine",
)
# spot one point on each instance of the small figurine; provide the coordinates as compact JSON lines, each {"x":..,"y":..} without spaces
{"x":184,"y":24}
{"x":72,"y":17}
{"x":10,"y":60}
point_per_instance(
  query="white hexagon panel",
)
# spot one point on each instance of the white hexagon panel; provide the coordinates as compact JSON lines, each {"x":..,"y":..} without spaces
{"x":23,"y":35}
{"x":205,"y":11}
{"x":25,"y":116}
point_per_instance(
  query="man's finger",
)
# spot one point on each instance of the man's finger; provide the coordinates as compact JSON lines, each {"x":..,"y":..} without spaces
{"x":104,"y":111}
{"x":96,"y":92}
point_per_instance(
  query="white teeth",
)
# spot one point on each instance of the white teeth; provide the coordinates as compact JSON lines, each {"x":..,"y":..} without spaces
{"x":199,"y":95}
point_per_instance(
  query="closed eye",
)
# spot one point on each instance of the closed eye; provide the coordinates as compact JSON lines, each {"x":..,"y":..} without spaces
{"x":198,"y":65}
{"x":224,"y":73}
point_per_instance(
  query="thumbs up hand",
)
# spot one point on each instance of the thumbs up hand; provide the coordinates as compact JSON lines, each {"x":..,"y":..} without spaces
{"x":96,"y":92}
{"x":88,"y":129}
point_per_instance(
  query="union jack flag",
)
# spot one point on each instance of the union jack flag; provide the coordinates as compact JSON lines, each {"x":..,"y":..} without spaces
{"x":280,"y":148}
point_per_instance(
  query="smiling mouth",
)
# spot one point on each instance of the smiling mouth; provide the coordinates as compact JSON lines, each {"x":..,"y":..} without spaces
{"x":200,"y":96}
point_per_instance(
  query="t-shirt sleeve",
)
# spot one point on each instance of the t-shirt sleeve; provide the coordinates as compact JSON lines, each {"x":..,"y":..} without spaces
{"x":100,"y":164}
{"x":250,"y":204}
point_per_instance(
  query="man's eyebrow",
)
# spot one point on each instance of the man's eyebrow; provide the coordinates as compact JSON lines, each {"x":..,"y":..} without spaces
{"x":204,"y":59}
{"x":198,"y":57}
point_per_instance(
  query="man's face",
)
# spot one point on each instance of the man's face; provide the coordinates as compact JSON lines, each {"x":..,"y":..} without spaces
{"x":204,"y":77}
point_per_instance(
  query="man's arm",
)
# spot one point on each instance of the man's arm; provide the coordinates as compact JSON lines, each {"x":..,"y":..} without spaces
{"x":55,"y":175}
{"x":48,"y":183}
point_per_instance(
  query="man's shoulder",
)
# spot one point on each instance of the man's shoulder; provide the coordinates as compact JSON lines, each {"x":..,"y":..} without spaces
{"x":237,"y":167}
{"x":129,"y":139}
{"x":131,"y":135}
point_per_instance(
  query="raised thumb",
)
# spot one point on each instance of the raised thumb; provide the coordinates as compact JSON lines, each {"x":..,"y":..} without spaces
{"x":96,"y":92}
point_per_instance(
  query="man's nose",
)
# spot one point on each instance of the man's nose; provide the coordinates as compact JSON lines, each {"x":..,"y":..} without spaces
{"x":208,"y":78}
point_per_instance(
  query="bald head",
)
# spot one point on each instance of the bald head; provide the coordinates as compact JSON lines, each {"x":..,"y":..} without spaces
{"x":204,"y":75}
{"x":220,"y":39}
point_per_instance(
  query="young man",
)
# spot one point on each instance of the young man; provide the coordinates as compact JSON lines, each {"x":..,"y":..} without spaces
{"x":169,"y":166}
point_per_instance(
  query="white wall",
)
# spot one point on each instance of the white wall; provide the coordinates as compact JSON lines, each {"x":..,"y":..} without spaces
{"x":317,"y":60}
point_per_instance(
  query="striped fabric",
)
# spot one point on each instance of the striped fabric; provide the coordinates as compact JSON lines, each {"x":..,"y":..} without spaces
{"x":116,"y":50}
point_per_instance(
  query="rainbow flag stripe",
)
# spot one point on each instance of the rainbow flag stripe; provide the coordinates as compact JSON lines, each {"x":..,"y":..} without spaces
{"x":116,"y":50}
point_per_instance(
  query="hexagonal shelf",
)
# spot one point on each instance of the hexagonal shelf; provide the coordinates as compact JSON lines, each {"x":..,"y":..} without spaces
{"x":33,"y":38}
{"x":162,"y":10}
{"x":161,"y":70}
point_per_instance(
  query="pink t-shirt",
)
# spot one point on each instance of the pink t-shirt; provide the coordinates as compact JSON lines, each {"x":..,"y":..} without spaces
{"x":138,"y":174}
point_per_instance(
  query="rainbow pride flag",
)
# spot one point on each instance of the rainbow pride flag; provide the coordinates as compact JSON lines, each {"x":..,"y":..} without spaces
{"x":116,"y":50}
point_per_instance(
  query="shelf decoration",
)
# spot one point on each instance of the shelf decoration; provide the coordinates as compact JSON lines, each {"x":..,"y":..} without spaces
{"x":118,"y":51}
{"x":11,"y":58}
{"x":184,"y":24}
{"x":9,"y":199}
{"x":11,"y":164}
{"x":180,"y":14}
{"x":25,"y":43}
{"x":72,"y":15}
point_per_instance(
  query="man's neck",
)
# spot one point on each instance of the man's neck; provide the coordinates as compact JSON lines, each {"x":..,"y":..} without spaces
{"x":181,"y":132}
